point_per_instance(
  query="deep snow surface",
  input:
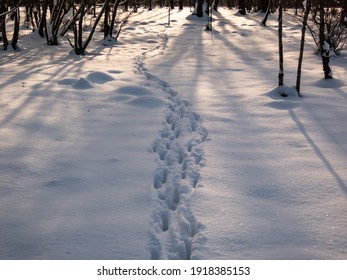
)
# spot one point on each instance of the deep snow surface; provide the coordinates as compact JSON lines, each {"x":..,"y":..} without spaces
{"x":172,"y":144}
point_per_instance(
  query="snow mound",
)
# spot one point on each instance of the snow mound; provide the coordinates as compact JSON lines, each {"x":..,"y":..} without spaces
{"x":147,"y":102}
{"x":99,"y":78}
{"x":285,"y":98}
{"x":282,"y":93}
{"x":82,"y":84}
{"x":134,"y":90}
{"x":67,"y":82}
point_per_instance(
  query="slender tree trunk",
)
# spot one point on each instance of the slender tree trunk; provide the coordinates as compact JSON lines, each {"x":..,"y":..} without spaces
{"x":90,"y":36}
{"x":114,"y":14}
{"x":106,"y":24}
{"x":344,"y":14}
{"x":324,"y":46}
{"x":80,"y":25}
{"x":199,"y":8}
{"x":302,"y":45}
{"x":27,"y":15}
{"x":35,"y":16}
{"x":15,"y":29}
{"x":180,"y":4}
{"x":215,"y":6}
{"x":56,"y":20}
{"x":262,"y":5}
{"x":280,"y":45}
{"x":207,"y":10}
{"x":242,"y":7}
{"x":263,"y":22}
{"x":43,"y":20}
{"x":3,"y":26}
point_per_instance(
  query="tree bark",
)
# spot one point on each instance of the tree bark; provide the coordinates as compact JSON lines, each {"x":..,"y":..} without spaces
{"x":242,"y":7}
{"x":114,"y":14}
{"x":3,"y":26}
{"x":106,"y":24}
{"x":324,"y":46}
{"x":262,"y":5}
{"x":263,"y":22}
{"x":215,"y":6}
{"x":199,"y":8}
{"x":280,"y":45}
{"x":302,"y":45}
{"x":90,"y":36}
{"x":180,"y":4}
{"x":344,"y":13}
{"x":15,"y":29}
{"x":43,"y":20}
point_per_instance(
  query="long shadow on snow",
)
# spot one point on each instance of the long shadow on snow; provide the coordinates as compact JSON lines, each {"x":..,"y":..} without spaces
{"x":318,"y":152}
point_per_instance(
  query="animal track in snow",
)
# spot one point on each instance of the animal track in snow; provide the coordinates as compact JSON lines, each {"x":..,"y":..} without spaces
{"x":175,"y":231}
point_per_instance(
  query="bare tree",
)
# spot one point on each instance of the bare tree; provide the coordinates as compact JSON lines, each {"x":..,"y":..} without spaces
{"x":3,"y":14}
{"x":16,"y":16}
{"x":57,"y":16}
{"x":344,"y":13}
{"x":324,"y":45}
{"x":280,"y":48}
{"x":242,"y":7}
{"x":302,"y":44}
{"x":263,"y":22}
{"x":79,"y":45}
{"x":262,"y":5}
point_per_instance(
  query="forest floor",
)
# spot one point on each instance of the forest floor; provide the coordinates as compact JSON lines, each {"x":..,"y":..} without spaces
{"x":173,"y":143}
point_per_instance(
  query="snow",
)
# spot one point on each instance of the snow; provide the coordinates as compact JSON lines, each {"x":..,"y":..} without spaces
{"x":173,"y":143}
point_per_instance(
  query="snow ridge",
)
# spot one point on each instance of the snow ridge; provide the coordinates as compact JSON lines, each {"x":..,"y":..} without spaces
{"x":175,"y":232}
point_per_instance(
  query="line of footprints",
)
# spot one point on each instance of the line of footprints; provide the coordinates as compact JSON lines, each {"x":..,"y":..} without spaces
{"x":177,"y":175}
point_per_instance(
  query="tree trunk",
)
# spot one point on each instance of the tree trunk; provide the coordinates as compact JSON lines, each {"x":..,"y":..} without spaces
{"x":262,"y":5}
{"x":180,"y":4}
{"x":280,"y":46}
{"x":90,"y":36}
{"x":263,"y":22}
{"x":302,"y":45}
{"x":3,"y":26}
{"x":324,"y":46}
{"x":56,"y":20}
{"x":80,"y":26}
{"x":106,"y":24}
{"x":15,"y":29}
{"x":242,"y":7}
{"x":43,"y":20}
{"x":215,"y":6}
{"x":199,"y":8}
{"x":114,"y":14}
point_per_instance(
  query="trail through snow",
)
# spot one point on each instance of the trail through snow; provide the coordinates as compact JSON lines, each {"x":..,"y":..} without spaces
{"x":175,"y":233}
